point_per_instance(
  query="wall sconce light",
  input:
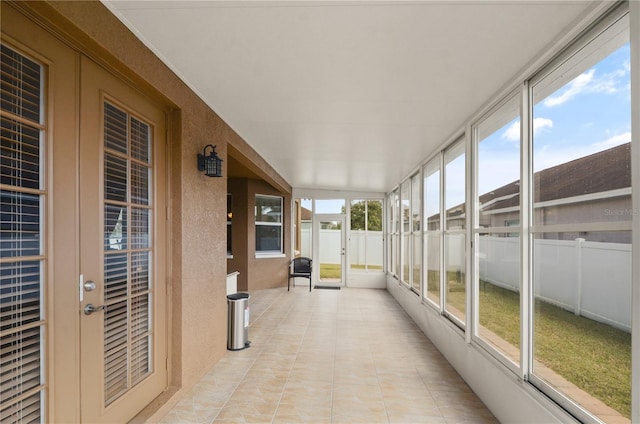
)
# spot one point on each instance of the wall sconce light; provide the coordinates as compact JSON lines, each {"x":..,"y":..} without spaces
{"x":210,"y":164}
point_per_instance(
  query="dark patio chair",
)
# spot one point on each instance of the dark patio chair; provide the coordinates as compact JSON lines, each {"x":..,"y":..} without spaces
{"x":299,"y":267}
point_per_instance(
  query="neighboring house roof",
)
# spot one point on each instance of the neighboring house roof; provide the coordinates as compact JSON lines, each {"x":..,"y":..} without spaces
{"x":305,"y":214}
{"x":599,"y":172}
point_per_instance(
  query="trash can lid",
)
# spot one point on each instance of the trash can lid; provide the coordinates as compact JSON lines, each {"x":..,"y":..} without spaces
{"x":238,"y":296}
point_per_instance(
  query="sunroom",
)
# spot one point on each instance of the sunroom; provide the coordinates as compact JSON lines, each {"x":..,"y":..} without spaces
{"x":476,"y":162}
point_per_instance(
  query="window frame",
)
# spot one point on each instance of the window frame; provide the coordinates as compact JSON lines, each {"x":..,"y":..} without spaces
{"x":366,"y":232}
{"x":569,"y":54}
{"x":458,"y":143}
{"x":435,"y":164}
{"x":476,"y":230}
{"x":279,"y":224}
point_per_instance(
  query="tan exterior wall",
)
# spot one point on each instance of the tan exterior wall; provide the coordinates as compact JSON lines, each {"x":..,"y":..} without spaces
{"x":197,"y":212}
{"x":265,"y":273}
{"x":256,"y":273}
{"x":240,"y":244}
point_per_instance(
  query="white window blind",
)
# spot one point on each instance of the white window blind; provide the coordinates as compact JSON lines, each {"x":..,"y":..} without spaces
{"x":22,"y":324}
{"x":128,"y":251}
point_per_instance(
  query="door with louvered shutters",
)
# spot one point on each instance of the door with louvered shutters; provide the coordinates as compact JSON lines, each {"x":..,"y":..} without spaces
{"x":122,"y":248}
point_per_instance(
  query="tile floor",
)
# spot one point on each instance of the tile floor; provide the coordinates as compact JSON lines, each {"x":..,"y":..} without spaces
{"x":330,"y":356}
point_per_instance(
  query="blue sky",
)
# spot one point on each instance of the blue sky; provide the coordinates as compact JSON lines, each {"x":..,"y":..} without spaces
{"x":588,"y":114}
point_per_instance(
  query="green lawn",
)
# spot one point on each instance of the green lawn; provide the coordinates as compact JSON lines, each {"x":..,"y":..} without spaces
{"x":333,"y":270}
{"x":595,"y":357}
{"x":330,"y":271}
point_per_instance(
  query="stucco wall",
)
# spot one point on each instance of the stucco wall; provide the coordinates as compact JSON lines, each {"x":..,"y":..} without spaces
{"x":265,"y":273}
{"x":240,"y":245}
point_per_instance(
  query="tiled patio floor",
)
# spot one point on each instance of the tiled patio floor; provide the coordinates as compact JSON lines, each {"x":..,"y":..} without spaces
{"x":330,"y":356}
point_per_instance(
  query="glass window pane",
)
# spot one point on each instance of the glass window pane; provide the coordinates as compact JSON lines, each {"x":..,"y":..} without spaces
{"x":140,"y":184}
{"x":268,"y":238}
{"x":115,"y":178}
{"x":140,"y":269}
{"x":115,"y":129}
{"x":116,"y":273}
{"x":22,"y":80}
{"x":432,"y":197}
{"x":268,"y":218}
{"x":358,"y":215}
{"x":140,"y":228}
{"x":19,"y":154}
{"x":499,"y":293}
{"x":365,"y":238}
{"x":303,"y":229}
{"x":455,"y":187}
{"x":329,"y":206}
{"x":432,"y":237}
{"x":20,"y":294}
{"x":390,"y":234}
{"x":582,"y":266}
{"x":498,"y":140}
{"x":140,"y":140}
{"x":455,"y":294}
{"x":375,"y":242}
{"x":454,"y":239}
{"x":115,"y":227}
{"x":358,"y":234}
{"x":405,"y":216}
{"x":19,"y":224}
{"x":432,"y":266}
{"x":21,"y":367}
{"x":268,"y":209}
{"x":416,"y":199}
{"x":416,"y":251}
{"x":416,"y":261}
{"x":581,"y":144}
{"x":396,"y":233}
{"x":582,"y":321}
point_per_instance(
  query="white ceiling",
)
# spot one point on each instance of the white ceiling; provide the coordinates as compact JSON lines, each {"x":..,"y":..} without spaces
{"x":348,"y":95}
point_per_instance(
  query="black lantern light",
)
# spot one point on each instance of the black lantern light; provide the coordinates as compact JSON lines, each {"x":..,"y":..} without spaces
{"x":210,"y":164}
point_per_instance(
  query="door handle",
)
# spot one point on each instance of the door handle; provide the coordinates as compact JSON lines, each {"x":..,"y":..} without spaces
{"x":89,"y":286}
{"x":89,"y":309}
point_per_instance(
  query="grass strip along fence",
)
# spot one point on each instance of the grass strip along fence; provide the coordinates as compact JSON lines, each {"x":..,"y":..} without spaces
{"x":593,"y":356}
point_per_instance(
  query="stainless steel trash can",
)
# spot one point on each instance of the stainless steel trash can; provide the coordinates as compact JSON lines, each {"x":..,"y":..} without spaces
{"x":238,"y":321}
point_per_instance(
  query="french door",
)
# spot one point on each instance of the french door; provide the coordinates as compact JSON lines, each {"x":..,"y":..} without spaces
{"x":82,"y":228}
{"x":122,"y":248}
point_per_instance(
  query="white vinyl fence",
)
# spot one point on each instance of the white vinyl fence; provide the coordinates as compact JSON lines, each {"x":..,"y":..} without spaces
{"x":366,"y":248}
{"x":591,"y":279}
{"x":362,"y":246}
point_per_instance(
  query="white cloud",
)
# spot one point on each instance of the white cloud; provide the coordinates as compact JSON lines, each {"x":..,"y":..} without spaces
{"x":541,"y":123}
{"x":513,"y":132}
{"x":575,"y":87}
{"x":616,"y":140}
{"x":588,"y":82}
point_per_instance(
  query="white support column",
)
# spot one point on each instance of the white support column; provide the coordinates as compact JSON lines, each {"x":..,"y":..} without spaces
{"x":634,"y":22}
